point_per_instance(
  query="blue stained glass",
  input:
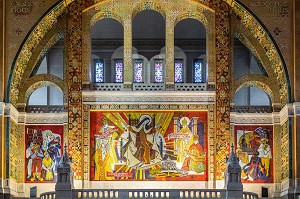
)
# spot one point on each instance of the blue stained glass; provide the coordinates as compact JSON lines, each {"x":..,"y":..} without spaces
{"x":158,"y":67}
{"x":198,"y":72}
{"x":138,"y":71}
{"x":99,"y":71}
{"x":178,"y":72}
{"x":119,"y":71}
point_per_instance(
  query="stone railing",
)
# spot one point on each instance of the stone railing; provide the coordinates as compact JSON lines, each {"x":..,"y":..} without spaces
{"x":44,"y":109}
{"x":145,"y":194}
{"x":252,"y":109}
{"x":149,"y":194}
{"x":148,"y":87}
{"x":48,"y":195}
{"x":106,"y":86}
{"x":190,"y":86}
{"x":250,"y":195}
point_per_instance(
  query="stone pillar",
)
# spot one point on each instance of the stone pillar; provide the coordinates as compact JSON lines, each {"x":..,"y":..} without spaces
{"x":169,"y":53}
{"x":128,"y":73}
{"x":74,"y":82}
{"x":233,"y":184}
{"x":74,"y":78}
{"x":64,"y":184}
{"x":223,"y":81}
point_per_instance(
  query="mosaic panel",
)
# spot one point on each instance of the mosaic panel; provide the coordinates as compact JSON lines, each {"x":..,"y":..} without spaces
{"x":277,"y":150}
{"x":273,"y":14}
{"x":16,"y":151}
{"x":284,"y":151}
{"x":43,"y":151}
{"x":152,"y":145}
{"x":27,"y":49}
{"x":265,"y":41}
{"x":254,"y":147}
{"x":150,"y":107}
{"x":223,"y":80}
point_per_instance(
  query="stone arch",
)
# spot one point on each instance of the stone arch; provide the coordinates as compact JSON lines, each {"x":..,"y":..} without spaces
{"x":103,"y":15}
{"x":31,"y":41}
{"x":244,"y":16}
{"x":192,"y":15}
{"x":37,"y":82}
{"x":260,"y":81}
{"x":149,"y":6}
{"x":265,"y":41}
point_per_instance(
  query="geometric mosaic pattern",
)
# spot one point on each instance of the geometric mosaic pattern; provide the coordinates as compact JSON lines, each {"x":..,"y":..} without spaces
{"x":16,"y":151}
{"x":285,"y":151}
{"x":223,"y":80}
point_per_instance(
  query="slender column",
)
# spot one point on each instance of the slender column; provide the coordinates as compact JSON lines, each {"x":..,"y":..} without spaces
{"x":128,"y":53}
{"x":223,"y":80}
{"x":169,"y":53}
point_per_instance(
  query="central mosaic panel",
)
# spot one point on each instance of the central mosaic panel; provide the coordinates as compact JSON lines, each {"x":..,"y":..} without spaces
{"x":148,"y":145}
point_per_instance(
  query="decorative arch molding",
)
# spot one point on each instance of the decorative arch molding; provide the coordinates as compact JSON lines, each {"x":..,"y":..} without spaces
{"x":106,"y":15}
{"x":149,"y":6}
{"x":36,"y":82}
{"x":25,"y":52}
{"x":192,"y":15}
{"x":40,"y":53}
{"x":256,"y":80}
{"x":261,"y":35}
{"x":254,"y":46}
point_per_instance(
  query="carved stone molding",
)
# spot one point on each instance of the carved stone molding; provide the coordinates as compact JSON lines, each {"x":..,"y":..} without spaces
{"x":251,"y":118}
{"x":46,"y":118}
{"x":149,"y":97}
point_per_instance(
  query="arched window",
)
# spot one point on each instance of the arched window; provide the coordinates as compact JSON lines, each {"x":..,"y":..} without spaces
{"x":190,"y":37}
{"x":251,"y":96}
{"x":148,"y":40}
{"x":107,"y":38}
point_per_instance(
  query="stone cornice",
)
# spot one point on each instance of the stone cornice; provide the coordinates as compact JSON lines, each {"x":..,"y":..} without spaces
{"x":166,"y":97}
{"x":46,"y":118}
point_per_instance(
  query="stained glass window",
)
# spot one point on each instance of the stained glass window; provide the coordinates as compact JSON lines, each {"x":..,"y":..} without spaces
{"x":197,"y":71}
{"x":119,"y":71}
{"x":138,"y":71}
{"x":99,"y":71}
{"x":178,"y":71}
{"x":158,"y":71}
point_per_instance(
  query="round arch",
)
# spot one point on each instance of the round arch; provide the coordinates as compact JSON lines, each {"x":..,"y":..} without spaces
{"x":49,"y":20}
{"x":37,"y":82}
{"x":258,"y":81}
{"x":149,"y":6}
{"x":38,"y":85}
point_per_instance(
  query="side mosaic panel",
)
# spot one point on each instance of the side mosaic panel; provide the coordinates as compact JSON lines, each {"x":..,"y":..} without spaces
{"x":254,"y":147}
{"x":148,"y":145}
{"x":43,"y":150}
{"x":16,"y":152}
